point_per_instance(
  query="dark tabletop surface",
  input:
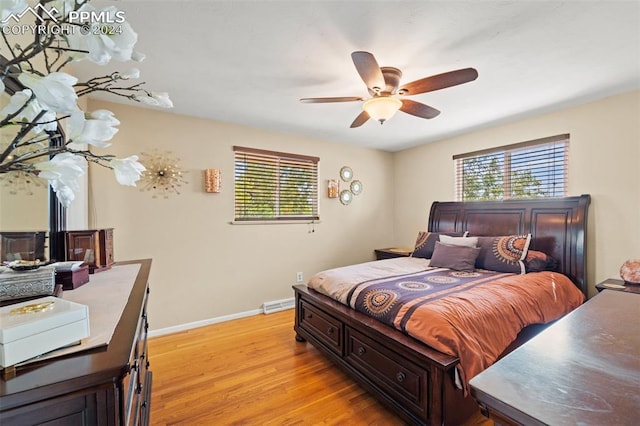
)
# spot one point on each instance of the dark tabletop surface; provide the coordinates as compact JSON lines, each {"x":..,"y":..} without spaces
{"x":585,"y":369}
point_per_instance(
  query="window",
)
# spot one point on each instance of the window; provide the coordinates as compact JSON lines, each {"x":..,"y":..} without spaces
{"x":275,"y":186}
{"x":532,"y":169}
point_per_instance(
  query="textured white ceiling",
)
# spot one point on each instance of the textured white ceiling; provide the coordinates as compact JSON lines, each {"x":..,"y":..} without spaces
{"x":249,"y":62}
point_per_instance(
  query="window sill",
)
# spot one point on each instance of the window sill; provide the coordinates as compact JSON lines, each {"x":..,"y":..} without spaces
{"x":275,"y":222}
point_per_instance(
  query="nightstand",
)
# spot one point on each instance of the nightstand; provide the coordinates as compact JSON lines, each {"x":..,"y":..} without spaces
{"x":619,"y":285}
{"x":391,"y":252}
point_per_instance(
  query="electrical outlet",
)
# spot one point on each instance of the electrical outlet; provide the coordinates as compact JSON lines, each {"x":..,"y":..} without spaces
{"x":299,"y":277}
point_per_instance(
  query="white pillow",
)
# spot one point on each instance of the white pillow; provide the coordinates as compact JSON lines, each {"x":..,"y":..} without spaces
{"x":459,"y":241}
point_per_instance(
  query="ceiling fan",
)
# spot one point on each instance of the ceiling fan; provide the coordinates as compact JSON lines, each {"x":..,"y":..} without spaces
{"x":383,"y":84}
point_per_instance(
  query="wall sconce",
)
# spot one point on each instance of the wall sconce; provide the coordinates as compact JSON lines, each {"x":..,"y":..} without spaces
{"x":333,"y":188}
{"x":212,"y":180}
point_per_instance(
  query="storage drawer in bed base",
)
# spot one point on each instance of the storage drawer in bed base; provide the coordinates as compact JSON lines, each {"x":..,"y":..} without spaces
{"x":393,"y":374}
{"x":324,"y":327}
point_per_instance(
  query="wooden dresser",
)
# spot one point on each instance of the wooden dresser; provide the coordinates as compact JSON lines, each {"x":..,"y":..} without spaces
{"x":104,"y":386}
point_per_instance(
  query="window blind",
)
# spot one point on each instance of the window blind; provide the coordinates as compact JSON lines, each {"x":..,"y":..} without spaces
{"x":531,"y":169}
{"x":273,"y":185}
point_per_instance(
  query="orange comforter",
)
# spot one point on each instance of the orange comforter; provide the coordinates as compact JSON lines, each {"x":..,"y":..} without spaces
{"x":473,"y":316}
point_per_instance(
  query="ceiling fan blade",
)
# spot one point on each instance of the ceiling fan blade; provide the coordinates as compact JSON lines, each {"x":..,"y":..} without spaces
{"x":368,"y":69}
{"x":326,"y":100}
{"x":439,"y":81}
{"x":360,"y":119}
{"x":418,"y":109}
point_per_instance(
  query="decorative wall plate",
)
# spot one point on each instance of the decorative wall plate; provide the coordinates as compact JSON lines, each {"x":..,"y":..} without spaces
{"x":346,"y":197}
{"x":346,"y":174}
{"x":356,"y":187}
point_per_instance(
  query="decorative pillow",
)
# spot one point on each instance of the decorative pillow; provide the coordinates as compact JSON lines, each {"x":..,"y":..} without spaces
{"x":460,"y":258}
{"x":537,"y":261}
{"x":426,"y":241}
{"x":503,"y":254}
{"x":459,"y":241}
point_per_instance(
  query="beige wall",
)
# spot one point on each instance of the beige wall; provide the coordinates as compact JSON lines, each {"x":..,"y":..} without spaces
{"x":22,"y":212}
{"x":604,"y":162}
{"x":205,"y":268}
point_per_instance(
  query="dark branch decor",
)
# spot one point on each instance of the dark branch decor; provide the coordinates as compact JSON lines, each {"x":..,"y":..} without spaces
{"x":38,"y":43}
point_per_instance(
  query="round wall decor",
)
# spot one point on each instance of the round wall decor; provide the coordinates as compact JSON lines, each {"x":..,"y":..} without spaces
{"x":346,"y":174}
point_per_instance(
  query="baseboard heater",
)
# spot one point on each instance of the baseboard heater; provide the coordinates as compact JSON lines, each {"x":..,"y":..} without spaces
{"x":278,"y":305}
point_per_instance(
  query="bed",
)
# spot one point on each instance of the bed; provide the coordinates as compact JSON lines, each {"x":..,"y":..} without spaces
{"x":423,"y":385}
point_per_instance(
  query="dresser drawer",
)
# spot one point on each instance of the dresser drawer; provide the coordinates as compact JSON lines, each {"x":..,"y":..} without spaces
{"x":137,"y":385}
{"x":396,"y":376}
{"x":327,"y":329}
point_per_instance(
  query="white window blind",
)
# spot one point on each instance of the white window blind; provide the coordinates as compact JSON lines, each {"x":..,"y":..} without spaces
{"x":532,"y":169}
{"x":273,"y":185}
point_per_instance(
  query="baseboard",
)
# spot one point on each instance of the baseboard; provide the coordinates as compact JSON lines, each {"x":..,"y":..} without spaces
{"x":196,"y":324}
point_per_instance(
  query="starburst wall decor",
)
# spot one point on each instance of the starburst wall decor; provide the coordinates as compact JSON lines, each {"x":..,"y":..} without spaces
{"x":20,"y":182}
{"x":163,"y":175}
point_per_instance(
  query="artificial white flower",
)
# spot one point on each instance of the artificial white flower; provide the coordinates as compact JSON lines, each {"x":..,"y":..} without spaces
{"x":54,"y":91}
{"x":63,"y":193}
{"x":102,"y":46}
{"x":138,"y":57}
{"x":163,"y":99}
{"x":93,"y":129}
{"x":7,"y":7}
{"x":62,"y":172}
{"x":158,"y":99}
{"x":131,"y":73}
{"x":30,"y":109}
{"x":127,"y":170}
{"x":64,"y":6}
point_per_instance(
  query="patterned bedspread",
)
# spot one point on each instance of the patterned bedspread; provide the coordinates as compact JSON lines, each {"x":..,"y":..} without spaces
{"x":471,"y":315}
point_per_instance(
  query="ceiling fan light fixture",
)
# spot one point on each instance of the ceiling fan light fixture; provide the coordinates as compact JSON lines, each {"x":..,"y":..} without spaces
{"x":382,"y":108}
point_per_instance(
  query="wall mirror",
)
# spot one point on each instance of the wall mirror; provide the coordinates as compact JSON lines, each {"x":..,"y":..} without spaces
{"x":29,"y":206}
{"x":356,"y":187}
{"x":346,"y":197}
{"x":346,"y":174}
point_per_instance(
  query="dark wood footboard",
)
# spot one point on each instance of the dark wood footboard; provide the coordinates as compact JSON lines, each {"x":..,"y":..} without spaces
{"x":414,"y":381}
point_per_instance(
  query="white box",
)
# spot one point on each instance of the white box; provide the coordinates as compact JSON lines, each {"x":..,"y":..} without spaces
{"x":29,"y":329}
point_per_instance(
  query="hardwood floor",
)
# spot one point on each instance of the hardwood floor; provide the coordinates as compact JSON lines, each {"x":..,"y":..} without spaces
{"x":251,"y":371}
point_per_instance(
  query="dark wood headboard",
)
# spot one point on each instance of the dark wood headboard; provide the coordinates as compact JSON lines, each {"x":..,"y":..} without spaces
{"x":558,"y":226}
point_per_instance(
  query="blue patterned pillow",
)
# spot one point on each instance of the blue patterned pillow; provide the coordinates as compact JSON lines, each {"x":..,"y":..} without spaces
{"x":503,"y":254}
